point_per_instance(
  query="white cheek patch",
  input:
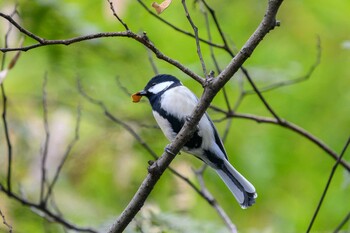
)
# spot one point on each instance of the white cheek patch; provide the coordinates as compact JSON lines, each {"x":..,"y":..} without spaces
{"x":160,"y":87}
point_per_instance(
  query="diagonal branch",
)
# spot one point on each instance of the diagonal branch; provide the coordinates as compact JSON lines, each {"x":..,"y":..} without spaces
{"x":195,"y":30}
{"x":202,"y":192}
{"x":306,"y":76}
{"x":327,"y":185}
{"x":65,"y":155}
{"x":5,"y":222}
{"x":177,"y":28}
{"x":45,"y":211}
{"x":211,"y":89}
{"x":288,"y":125}
{"x":342,"y":223}
{"x":215,"y":204}
{"x":111,"y":6}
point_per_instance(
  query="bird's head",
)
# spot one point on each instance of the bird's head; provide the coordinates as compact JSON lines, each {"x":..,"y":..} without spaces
{"x":156,"y":86}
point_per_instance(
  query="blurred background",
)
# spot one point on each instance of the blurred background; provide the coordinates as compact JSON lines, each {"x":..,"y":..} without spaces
{"x":107,"y":165}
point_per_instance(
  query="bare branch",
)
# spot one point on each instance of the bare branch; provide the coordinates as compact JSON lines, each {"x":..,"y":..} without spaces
{"x":214,"y":203}
{"x":151,"y":60}
{"x":211,"y":89}
{"x":66,"y":154}
{"x":342,"y":223}
{"x":143,"y":39}
{"x":218,"y":27}
{"x":211,"y":201}
{"x":5,"y":223}
{"x":195,"y":30}
{"x":45,"y":212}
{"x":296,"y":80}
{"x":177,"y":28}
{"x":4,"y":111}
{"x":226,"y":47}
{"x":327,"y":185}
{"x":288,"y":125}
{"x":116,"y":15}
{"x":136,"y":136}
{"x":47,"y":140}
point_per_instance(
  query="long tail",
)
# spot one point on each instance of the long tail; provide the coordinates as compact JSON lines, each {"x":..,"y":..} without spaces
{"x":242,"y":189}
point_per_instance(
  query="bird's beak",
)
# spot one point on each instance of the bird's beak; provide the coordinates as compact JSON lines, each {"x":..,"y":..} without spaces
{"x":136,"y":97}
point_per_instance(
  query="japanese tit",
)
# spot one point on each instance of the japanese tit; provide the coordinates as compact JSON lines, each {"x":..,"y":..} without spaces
{"x":171,"y":103}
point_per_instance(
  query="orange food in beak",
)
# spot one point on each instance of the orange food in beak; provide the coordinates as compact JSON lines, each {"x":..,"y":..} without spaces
{"x":136,"y":97}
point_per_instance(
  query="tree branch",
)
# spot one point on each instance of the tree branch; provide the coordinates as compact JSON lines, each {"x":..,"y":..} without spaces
{"x":177,"y":28}
{"x":143,"y":39}
{"x":327,"y":185}
{"x":211,"y":89}
{"x":47,"y":140}
{"x":195,"y":30}
{"x":199,"y":173}
{"x":46,"y":212}
{"x":288,"y":125}
{"x":5,"y":222}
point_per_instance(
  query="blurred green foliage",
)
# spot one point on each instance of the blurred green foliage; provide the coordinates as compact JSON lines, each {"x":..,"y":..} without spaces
{"x":107,"y":165}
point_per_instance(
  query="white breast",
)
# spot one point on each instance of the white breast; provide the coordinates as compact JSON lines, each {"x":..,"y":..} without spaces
{"x":164,"y":126}
{"x":180,"y":102}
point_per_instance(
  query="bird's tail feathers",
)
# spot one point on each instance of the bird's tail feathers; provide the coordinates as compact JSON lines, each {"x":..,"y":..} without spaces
{"x":241,"y":188}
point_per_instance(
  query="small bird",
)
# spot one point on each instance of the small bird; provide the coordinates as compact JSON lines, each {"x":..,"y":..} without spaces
{"x":172,"y":103}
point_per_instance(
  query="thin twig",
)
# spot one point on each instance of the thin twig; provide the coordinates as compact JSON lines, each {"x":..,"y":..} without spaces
{"x":244,"y":70}
{"x":218,"y":27}
{"x":4,"y":110}
{"x":66,"y":154}
{"x":296,"y":80}
{"x":151,"y":61}
{"x":342,"y":223}
{"x":199,"y":174}
{"x":195,"y":30}
{"x":116,"y":15}
{"x":177,"y":28}
{"x":45,"y":150}
{"x":122,"y":88}
{"x":241,"y":96}
{"x":288,"y":125}
{"x":143,"y":39}
{"x":5,"y":222}
{"x":45,"y":212}
{"x":330,"y":178}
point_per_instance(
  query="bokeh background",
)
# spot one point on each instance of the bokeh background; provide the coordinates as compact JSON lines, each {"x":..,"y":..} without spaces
{"x":107,"y":164}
